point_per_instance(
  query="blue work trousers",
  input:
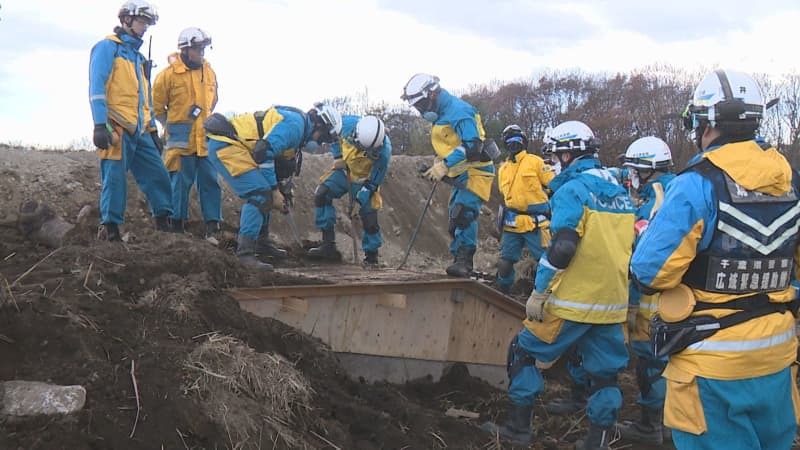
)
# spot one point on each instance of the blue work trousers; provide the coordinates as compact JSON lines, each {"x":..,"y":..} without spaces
{"x":141,"y":157}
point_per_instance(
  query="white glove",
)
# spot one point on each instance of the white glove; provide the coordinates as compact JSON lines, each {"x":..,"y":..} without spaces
{"x":278,"y":201}
{"x":437,"y":171}
{"x":534,"y":307}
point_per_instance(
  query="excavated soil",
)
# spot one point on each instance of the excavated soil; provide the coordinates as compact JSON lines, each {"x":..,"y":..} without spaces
{"x":126,"y":320}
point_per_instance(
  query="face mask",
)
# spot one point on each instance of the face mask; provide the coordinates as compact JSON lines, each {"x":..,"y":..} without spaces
{"x":312,"y":146}
{"x":430,"y":116}
{"x":557,"y":167}
{"x":633,"y":175}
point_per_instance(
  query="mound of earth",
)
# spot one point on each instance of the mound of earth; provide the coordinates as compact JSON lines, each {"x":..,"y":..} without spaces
{"x":170,"y":361}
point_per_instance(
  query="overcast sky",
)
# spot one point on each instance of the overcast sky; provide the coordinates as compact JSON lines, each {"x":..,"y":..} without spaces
{"x":297,"y":51}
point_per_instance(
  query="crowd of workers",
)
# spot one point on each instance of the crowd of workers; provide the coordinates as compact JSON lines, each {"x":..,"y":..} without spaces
{"x":695,"y":272}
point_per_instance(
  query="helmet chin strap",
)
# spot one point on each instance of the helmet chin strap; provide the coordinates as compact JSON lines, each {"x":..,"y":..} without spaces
{"x":698,"y":135}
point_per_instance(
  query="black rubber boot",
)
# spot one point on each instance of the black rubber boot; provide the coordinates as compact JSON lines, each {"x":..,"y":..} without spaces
{"x":371,"y":259}
{"x":566,"y":406}
{"x":246,"y":251}
{"x":265,"y":247}
{"x":162,"y":224}
{"x":462,"y":268}
{"x":598,"y":438}
{"x":517,"y":430}
{"x":109,"y":232}
{"x":647,"y":430}
{"x":178,"y":225}
{"x":326,"y":250}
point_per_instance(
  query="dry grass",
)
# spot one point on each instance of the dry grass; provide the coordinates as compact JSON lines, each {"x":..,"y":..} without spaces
{"x":249,"y":394}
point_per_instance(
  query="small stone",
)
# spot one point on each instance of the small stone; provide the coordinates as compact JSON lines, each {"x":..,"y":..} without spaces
{"x":31,"y":398}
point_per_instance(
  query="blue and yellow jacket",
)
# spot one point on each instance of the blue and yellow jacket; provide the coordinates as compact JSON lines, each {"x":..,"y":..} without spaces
{"x":736,"y":213}
{"x":522,"y":180}
{"x":175,"y":91}
{"x":287,"y":130}
{"x":460,"y":122}
{"x":359,"y":166}
{"x":119,"y":92}
{"x":593,"y":287}
{"x":650,"y":199}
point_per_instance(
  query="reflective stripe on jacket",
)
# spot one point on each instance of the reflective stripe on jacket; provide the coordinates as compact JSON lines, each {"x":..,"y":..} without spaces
{"x":688,"y":224}
{"x":118,"y":89}
{"x":522,"y":180}
{"x":175,"y":91}
{"x":593,"y":288}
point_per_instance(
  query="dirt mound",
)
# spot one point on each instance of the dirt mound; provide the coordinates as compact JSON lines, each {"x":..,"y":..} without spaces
{"x":170,"y":361}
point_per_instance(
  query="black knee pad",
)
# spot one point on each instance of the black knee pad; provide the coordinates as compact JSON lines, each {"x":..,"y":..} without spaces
{"x":505,"y":267}
{"x":370,"y":222}
{"x":264,"y":206}
{"x":323,"y":196}
{"x":517,"y":359}
{"x":461,"y":216}
{"x":596,"y":383}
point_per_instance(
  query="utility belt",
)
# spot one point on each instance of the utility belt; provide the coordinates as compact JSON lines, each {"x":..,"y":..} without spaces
{"x":501,"y":217}
{"x":669,"y":338}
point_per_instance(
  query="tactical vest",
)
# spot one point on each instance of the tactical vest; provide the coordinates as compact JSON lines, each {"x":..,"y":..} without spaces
{"x":752,"y":248}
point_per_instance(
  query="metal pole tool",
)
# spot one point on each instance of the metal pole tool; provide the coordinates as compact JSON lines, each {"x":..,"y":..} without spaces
{"x":419,"y":224}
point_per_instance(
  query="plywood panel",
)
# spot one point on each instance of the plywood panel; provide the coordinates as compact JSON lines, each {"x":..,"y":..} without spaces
{"x":480,"y":332}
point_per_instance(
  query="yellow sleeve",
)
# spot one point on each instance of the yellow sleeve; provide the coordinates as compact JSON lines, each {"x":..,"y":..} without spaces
{"x":161,"y":96}
{"x":546,"y":173}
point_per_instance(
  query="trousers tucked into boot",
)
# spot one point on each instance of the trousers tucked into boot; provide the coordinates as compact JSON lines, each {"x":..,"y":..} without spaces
{"x":462,"y":267}
{"x":326,"y":250}
{"x":246,"y":251}
{"x":517,"y":430}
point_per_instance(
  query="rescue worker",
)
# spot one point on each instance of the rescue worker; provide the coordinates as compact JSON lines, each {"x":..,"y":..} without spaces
{"x":525,"y":213}
{"x":457,"y":137}
{"x":124,"y":128}
{"x":258,"y":154}
{"x":648,"y":161}
{"x":184,"y":95}
{"x":580,"y":289}
{"x":360,"y":160}
{"x":722,"y":251}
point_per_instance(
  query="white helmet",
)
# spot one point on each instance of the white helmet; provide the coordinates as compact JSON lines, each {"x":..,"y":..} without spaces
{"x":193,"y":37}
{"x":330,"y":117}
{"x":648,"y":152}
{"x":726,"y":98}
{"x":369,"y":133}
{"x":571,"y":136}
{"x":139,"y":8}
{"x":419,"y":87}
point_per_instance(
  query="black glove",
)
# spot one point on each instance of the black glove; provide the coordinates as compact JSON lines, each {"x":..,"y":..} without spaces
{"x":157,"y":141}
{"x":102,"y":137}
{"x":262,"y":151}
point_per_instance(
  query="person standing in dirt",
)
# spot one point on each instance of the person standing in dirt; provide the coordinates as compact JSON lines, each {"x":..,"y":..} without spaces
{"x":360,"y":161}
{"x":580,"y":291}
{"x":124,"y":127}
{"x":184,"y":95}
{"x":258,"y":154}
{"x":457,"y":137}
{"x":648,"y":161}
{"x":522,"y":180}
{"x":723,"y":251}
